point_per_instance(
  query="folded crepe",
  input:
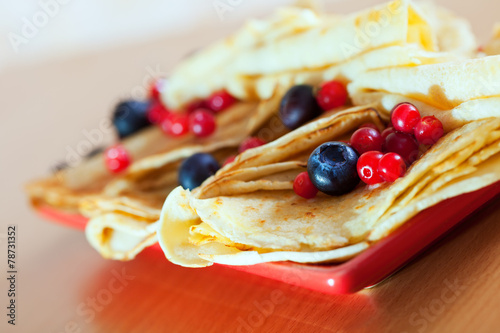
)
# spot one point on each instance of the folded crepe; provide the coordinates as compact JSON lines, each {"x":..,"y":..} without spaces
{"x":455,"y":92}
{"x":300,"y":45}
{"x":68,"y":188}
{"x":123,"y":214}
{"x":248,"y":212}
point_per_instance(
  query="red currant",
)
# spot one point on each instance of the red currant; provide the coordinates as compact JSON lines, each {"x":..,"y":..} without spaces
{"x":116,"y":158}
{"x":368,"y":167}
{"x":332,"y":94}
{"x":303,"y":186}
{"x":366,"y":139}
{"x":250,"y":143}
{"x":220,"y":101}
{"x":202,"y":123}
{"x":369,"y":125}
{"x":402,"y":144}
{"x":385,"y":134}
{"x":157,"y":112}
{"x":428,"y":130}
{"x":176,"y":124}
{"x":156,"y":88}
{"x":387,"y":131}
{"x":230,"y":159}
{"x":195,"y":105}
{"x":404,"y":117}
{"x":391,"y":167}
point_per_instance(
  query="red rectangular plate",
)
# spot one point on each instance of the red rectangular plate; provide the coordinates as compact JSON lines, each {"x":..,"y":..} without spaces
{"x":370,"y":267}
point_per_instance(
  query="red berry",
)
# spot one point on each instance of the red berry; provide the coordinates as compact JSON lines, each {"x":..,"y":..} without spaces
{"x":157,"y":112}
{"x":116,"y":158}
{"x":387,"y":131}
{"x":195,"y":105}
{"x":220,"y":101}
{"x":385,"y":134}
{"x":176,"y":124}
{"x":250,"y":143}
{"x":402,"y":144}
{"x":391,"y":166}
{"x":230,"y":159}
{"x":332,"y":94}
{"x":366,"y":139}
{"x":303,"y":186}
{"x":370,"y":125}
{"x":428,"y":130}
{"x":202,"y":123}
{"x":404,"y":117}
{"x":368,"y":167}
{"x":156,"y":88}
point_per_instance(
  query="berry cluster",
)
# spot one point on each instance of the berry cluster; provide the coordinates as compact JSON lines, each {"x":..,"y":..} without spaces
{"x":374,"y":157}
{"x":131,"y":116}
{"x":199,"y":117}
{"x":301,"y":104}
{"x":400,"y":143}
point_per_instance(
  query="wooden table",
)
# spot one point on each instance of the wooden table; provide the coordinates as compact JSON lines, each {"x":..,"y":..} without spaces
{"x":65,"y":286}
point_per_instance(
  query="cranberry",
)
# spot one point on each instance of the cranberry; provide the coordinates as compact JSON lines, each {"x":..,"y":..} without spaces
{"x":303,"y":186}
{"x":176,"y":124}
{"x":366,"y":139}
{"x":391,"y":166}
{"x":230,"y":159}
{"x":220,"y":101}
{"x":404,"y":117}
{"x":428,"y":130}
{"x":331,"y":95}
{"x":385,"y":134}
{"x":402,"y":144}
{"x":202,"y":123}
{"x":157,"y":112}
{"x":116,"y":158}
{"x":156,"y":88}
{"x":369,"y":125}
{"x":250,"y":143}
{"x":195,"y":105}
{"x":387,"y":131}
{"x":368,"y":167}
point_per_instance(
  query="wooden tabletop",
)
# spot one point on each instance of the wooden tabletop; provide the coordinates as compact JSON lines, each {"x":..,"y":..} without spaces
{"x":65,"y":286}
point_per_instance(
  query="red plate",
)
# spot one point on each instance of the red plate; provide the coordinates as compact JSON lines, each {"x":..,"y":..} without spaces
{"x":371,"y":266}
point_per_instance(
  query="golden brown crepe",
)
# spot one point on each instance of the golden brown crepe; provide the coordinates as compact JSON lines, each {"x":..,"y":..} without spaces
{"x":262,"y":222}
{"x":306,"y":44}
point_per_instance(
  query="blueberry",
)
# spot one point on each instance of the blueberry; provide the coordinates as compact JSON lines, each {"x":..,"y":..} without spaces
{"x":196,"y":169}
{"x":332,"y":168}
{"x":130,"y":116}
{"x":298,"y":106}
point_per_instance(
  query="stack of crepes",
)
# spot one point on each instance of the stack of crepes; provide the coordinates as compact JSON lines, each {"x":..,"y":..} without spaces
{"x":248,"y":212}
{"x":257,"y":65}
